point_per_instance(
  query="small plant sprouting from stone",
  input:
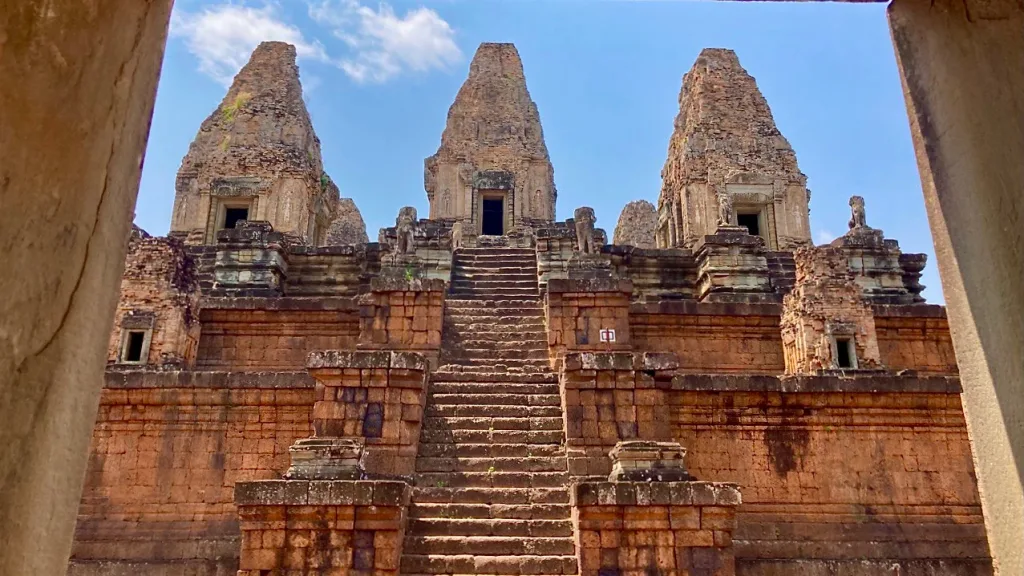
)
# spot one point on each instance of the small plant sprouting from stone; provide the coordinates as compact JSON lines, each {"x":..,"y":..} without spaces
{"x":410,"y":274}
{"x":442,"y":484}
{"x":229,"y":110}
{"x":225,"y":143}
{"x":325,"y":180}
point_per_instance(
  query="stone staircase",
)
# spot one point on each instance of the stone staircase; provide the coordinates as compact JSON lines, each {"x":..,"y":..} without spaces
{"x":491,"y":482}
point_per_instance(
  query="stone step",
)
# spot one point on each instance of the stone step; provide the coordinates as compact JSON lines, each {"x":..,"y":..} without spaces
{"x":489,"y":527}
{"x":491,"y":411}
{"x":494,"y":294}
{"x":489,"y":313}
{"x":493,"y":281}
{"x":486,"y":376}
{"x":487,"y":511}
{"x":489,"y":545}
{"x":476,"y":273}
{"x":492,"y":565}
{"x":492,"y":465}
{"x":532,"y":327}
{"x":492,"y":423}
{"x":530,"y":257}
{"x":531,"y":437}
{"x":493,"y":479}
{"x":497,"y":355}
{"x":489,"y":336}
{"x":496,"y":269}
{"x":498,"y":396}
{"x":487,"y":450}
{"x":455,"y":303}
{"x":511,"y":498}
{"x":464,"y":389}
{"x":498,"y":364}
{"x":470,"y":345}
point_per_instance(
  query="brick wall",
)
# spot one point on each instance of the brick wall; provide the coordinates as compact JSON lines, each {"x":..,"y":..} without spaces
{"x":851,"y":477}
{"x":920,"y":342}
{"x":746,"y":338}
{"x":253,"y":340}
{"x":709,"y":337}
{"x":852,"y":473}
{"x":167,"y":450}
{"x":402,"y":314}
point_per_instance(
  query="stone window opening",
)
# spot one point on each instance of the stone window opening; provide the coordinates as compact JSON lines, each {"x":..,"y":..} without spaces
{"x":845,"y":352}
{"x":135,"y":346}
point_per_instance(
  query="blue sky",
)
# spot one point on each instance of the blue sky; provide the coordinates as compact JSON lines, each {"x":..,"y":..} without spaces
{"x":379,"y":79}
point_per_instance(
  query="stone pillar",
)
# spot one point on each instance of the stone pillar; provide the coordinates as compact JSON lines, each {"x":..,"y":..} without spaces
{"x":613,"y":397}
{"x":252,"y":260}
{"x":731,"y":267}
{"x":963,"y":74}
{"x":321,"y":527}
{"x":377,"y":397}
{"x":80,"y":82}
{"x":402,"y":314}
{"x":587,"y":314}
{"x":655,"y":527}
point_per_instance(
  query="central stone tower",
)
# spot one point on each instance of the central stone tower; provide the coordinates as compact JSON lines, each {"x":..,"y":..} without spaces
{"x":492,"y":172}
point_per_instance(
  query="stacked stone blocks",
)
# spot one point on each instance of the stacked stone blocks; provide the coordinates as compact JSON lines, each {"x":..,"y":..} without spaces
{"x":661,"y":527}
{"x":327,"y":528}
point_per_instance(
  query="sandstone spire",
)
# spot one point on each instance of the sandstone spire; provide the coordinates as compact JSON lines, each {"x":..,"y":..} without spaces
{"x":726,"y":142}
{"x":637,"y":223}
{"x":256,"y":157}
{"x":492,"y":147}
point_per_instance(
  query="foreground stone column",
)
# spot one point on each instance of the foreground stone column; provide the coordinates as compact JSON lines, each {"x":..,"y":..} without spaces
{"x":75,"y":105}
{"x":321,"y":527}
{"x":377,"y":397}
{"x":963,"y":73}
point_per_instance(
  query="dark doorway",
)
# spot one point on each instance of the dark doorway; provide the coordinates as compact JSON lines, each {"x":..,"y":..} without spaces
{"x":233,"y":215}
{"x":494,"y":217}
{"x":844,"y":357}
{"x":751,"y":222}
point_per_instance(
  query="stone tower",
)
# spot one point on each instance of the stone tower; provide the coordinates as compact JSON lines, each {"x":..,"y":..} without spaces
{"x":256,"y":157}
{"x":492,"y":169}
{"x":637,"y":224}
{"x":726,"y":143}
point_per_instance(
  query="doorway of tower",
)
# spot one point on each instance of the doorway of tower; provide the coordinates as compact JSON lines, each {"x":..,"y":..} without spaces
{"x":493,"y":217}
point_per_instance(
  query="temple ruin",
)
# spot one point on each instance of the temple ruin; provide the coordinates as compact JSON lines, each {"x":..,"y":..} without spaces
{"x":490,"y":391}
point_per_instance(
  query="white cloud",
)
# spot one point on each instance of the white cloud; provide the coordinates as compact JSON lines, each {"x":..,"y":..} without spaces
{"x":223,"y":37}
{"x":824,"y":236}
{"x":385,"y":44}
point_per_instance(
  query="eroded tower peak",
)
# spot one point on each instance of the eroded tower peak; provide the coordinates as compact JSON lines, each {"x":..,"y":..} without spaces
{"x":257,"y":157}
